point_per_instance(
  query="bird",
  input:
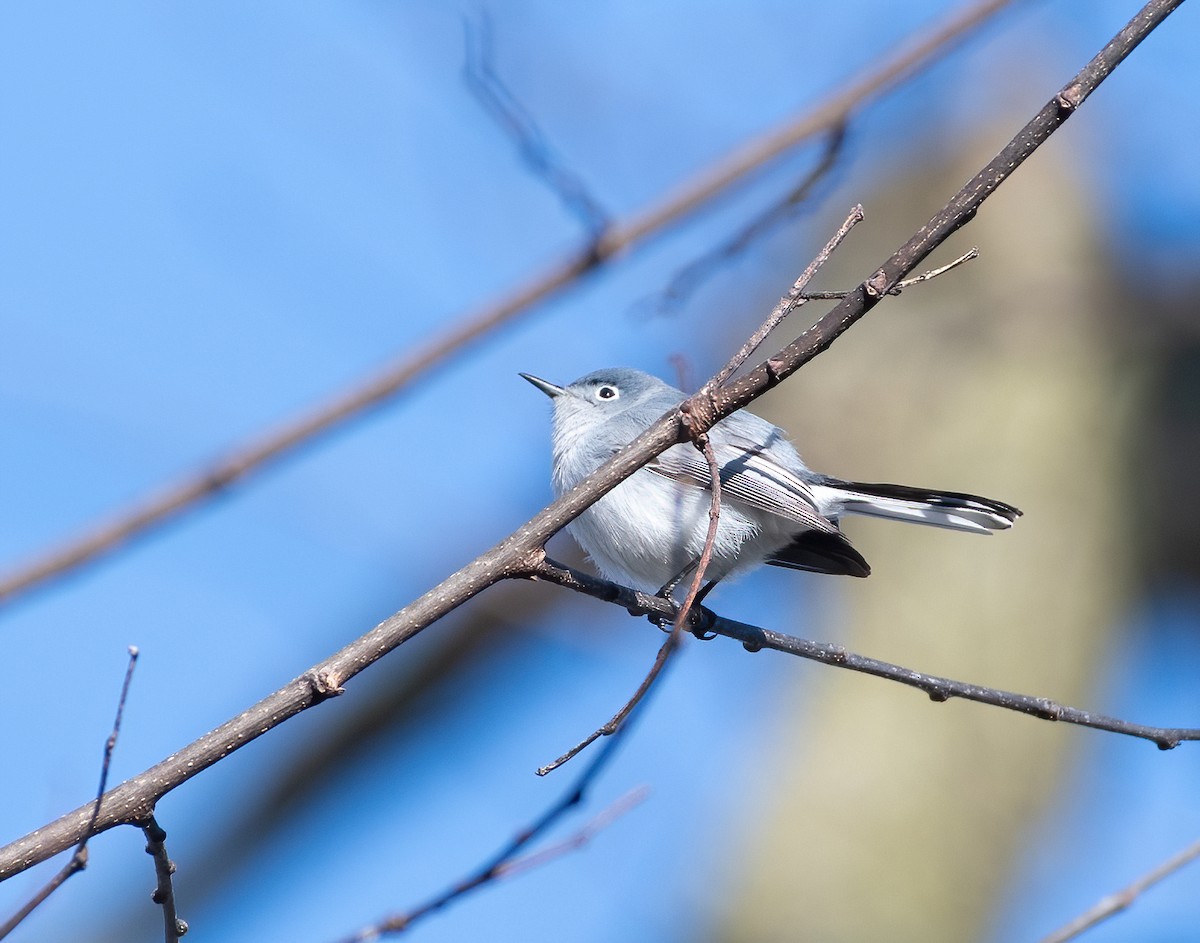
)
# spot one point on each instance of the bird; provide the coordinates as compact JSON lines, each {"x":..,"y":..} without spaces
{"x":649,"y":531}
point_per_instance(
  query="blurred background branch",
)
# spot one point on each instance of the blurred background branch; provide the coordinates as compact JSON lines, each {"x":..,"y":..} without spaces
{"x":373,"y":391}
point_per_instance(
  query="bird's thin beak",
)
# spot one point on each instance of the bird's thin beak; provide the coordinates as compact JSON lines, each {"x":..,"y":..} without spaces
{"x":545,"y":386}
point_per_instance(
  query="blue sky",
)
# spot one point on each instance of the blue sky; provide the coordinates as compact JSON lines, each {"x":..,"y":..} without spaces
{"x":217,"y":216}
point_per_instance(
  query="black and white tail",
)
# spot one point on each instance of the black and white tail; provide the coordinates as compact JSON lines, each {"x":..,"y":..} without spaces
{"x":950,"y":509}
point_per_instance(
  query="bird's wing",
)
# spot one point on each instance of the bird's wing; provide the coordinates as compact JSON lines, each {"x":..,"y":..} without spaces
{"x":748,"y":474}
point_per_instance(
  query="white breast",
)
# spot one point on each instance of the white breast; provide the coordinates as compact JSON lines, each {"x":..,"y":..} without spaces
{"x":645,"y":531}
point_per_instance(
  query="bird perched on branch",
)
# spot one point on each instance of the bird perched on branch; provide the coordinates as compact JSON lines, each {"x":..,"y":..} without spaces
{"x":649,"y":531}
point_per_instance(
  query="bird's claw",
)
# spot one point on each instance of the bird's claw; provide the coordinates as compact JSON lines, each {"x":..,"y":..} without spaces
{"x":698,"y":622}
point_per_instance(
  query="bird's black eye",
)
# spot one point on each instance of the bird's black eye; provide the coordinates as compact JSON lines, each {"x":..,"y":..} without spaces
{"x":607,"y":392}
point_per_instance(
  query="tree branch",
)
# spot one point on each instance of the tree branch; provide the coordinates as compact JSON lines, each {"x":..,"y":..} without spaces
{"x":164,"y":889}
{"x":79,"y":859}
{"x":755,"y":638}
{"x":522,"y":553}
{"x":685,"y":282}
{"x":788,"y":303}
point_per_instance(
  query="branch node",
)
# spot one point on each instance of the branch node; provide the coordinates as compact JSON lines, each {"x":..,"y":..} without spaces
{"x":1050,"y":710}
{"x":1070,"y":97}
{"x":877,"y":285}
{"x":324,"y":683}
{"x":532,"y":567}
{"x":699,"y":414}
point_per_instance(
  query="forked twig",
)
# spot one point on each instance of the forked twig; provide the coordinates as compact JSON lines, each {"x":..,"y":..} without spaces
{"x":972,"y":253}
{"x":508,"y":862}
{"x":598,"y":822}
{"x":520,"y":125}
{"x":788,"y":303}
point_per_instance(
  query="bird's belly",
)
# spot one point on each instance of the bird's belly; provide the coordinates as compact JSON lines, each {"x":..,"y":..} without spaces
{"x":645,"y":531}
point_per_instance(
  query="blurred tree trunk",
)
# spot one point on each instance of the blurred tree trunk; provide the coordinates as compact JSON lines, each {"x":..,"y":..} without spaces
{"x":893,"y":818}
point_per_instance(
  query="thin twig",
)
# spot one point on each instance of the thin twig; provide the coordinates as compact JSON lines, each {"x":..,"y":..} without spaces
{"x":678,"y":623}
{"x":590,"y":830}
{"x":972,"y":253}
{"x":1113,"y":904}
{"x":156,"y":510}
{"x":614,"y":724}
{"x":939,"y":689}
{"x":508,"y":862}
{"x":518,"y":123}
{"x":164,"y":890}
{"x":789,"y":302}
{"x":522,"y":553}
{"x":79,"y":859}
{"x":684,"y":283}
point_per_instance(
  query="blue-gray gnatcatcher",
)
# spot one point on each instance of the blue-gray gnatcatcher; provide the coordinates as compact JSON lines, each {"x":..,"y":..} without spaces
{"x":649,"y":531}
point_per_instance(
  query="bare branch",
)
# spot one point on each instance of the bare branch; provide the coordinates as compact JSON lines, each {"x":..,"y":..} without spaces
{"x":685,"y":282}
{"x":969,"y":255}
{"x":615,"y":723}
{"x":755,"y":638}
{"x":522,"y":553}
{"x":789,"y":302}
{"x":678,"y":623}
{"x":1114,"y":903}
{"x":516,"y":121}
{"x":836,"y":110}
{"x":164,"y":891}
{"x":79,"y":859}
{"x":156,"y":510}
